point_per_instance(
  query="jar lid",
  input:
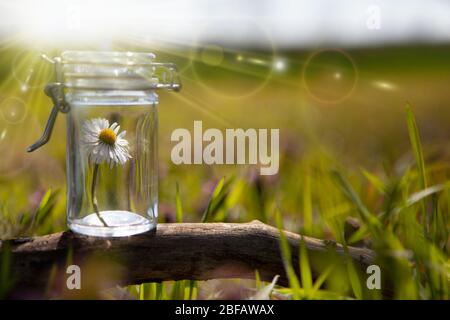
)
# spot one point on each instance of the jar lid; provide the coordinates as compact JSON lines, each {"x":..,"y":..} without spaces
{"x":101,"y":70}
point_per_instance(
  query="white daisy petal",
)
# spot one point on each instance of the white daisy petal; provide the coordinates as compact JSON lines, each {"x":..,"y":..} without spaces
{"x":98,"y":150}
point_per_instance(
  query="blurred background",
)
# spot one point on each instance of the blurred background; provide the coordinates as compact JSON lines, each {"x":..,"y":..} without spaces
{"x":333,"y":76}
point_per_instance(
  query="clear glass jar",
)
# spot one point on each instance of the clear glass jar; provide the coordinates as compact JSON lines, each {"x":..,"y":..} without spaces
{"x":112,"y":154}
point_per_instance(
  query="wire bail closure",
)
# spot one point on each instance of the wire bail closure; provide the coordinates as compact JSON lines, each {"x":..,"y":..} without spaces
{"x":53,"y":90}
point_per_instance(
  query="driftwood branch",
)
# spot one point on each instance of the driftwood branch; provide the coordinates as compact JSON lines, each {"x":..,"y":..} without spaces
{"x":193,"y":251}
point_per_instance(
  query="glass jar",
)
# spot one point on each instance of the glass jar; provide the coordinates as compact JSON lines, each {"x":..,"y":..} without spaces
{"x":112,"y":156}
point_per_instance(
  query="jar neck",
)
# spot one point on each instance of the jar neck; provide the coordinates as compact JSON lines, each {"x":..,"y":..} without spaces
{"x":111,"y":97}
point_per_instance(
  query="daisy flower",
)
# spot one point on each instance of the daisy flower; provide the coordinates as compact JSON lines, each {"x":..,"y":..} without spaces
{"x":104,"y":143}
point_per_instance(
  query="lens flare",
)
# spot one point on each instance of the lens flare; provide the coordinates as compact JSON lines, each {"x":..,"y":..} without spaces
{"x":13,"y":110}
{"x":246,"y":70}
{"x":30,"y":70}
{"x":330,"y":76}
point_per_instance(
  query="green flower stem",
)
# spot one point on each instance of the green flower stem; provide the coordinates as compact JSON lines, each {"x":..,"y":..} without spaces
{"x":94,"y":197}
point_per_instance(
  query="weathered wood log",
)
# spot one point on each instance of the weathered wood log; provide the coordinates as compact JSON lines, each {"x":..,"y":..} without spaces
{"x":196,"y":251}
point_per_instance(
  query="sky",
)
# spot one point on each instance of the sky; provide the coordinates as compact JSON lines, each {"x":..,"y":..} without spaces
{"x":282,"y":23}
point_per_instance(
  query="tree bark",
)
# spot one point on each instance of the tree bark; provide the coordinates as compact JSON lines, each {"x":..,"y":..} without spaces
{"x":196,"y":251}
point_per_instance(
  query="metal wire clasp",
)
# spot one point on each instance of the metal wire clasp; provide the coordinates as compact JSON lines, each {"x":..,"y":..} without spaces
{"x":170,"y":78}
{"x":55,"y":91}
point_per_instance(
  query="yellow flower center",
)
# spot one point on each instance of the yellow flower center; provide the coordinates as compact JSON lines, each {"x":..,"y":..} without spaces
{"x":107,"y":136}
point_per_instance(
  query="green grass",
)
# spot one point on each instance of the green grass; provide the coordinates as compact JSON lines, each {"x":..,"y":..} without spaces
{"x":409,"y":233}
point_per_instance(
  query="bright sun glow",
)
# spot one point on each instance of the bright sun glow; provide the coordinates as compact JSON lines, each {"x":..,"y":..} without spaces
{"x":97,"y":21}
{"x":280,"y":65}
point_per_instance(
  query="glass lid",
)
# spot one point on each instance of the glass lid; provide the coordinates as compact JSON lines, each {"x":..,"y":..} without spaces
{"x":101,"y":70}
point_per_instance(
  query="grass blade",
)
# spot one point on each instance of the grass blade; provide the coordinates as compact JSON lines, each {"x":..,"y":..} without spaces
{"x":178,"y":206}
{"x":264,"y":293}
{"x":416,"y":145}
{"x":307,"y":206}
{"x":375,"y":181}
{"x":366,"y":216}
{"x":215,"y":196}
{"x":353,"y":276}
{"x":305,"y":269}
{"x":287,"y":260}
{"x":321,"y":279}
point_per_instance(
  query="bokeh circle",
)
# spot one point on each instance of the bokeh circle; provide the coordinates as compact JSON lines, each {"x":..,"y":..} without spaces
{"x":330,"y":75}
{"x":229,"y":70}
{"x":13,"y":110}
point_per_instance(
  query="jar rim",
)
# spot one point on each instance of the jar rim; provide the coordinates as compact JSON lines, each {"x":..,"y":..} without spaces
{"x":107,"y":57}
